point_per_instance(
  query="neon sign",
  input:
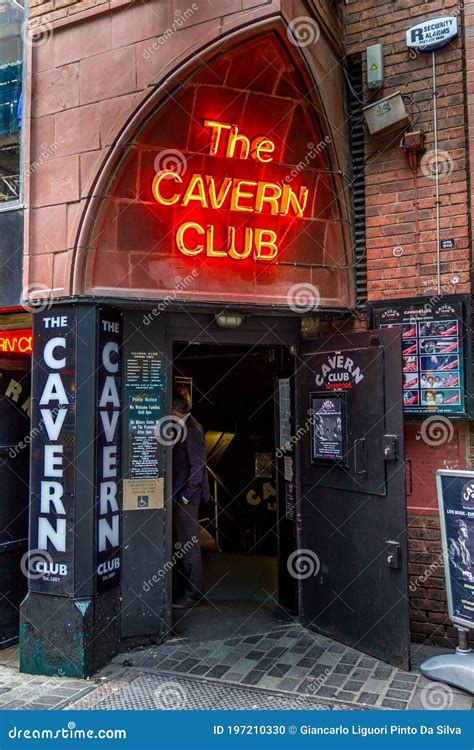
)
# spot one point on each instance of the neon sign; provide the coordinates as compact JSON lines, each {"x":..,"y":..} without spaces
{"x":16,"y":342}
{"x":259,"y":198}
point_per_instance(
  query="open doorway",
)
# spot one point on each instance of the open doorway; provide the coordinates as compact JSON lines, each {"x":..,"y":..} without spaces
{"x":15,"y":439}
{"x":234,"y":399}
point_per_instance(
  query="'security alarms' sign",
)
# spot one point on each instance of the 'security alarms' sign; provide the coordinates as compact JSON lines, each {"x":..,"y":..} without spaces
{"x":252,"y":197}
{"x":433,"y":34}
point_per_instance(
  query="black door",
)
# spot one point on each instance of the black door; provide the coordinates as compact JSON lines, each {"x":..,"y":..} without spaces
{"x":352,"y":563}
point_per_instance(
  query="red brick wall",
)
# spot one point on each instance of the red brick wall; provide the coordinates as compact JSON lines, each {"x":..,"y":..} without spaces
{"x":400,"y":206}
{"x":469,"y":51}
{"x":431,"y":446}
{"x":427,"y":588}
{"x":46,"y":11}
{"x":400,"y":211}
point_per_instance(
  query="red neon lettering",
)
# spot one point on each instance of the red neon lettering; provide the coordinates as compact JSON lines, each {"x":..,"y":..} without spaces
{"x":16,"y":342}
{"x":257,"y":197}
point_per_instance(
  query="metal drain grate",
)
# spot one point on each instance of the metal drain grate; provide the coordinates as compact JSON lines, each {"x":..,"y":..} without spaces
{"x":155,"y":692}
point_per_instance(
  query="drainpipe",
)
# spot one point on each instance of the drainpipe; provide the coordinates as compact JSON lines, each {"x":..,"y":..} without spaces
{"x":435,"y":124}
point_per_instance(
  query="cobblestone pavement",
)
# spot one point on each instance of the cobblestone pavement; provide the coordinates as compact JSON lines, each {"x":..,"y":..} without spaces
{"x":289,"y":667}
{"x":297,"y":661}
{"x":30,"y":692}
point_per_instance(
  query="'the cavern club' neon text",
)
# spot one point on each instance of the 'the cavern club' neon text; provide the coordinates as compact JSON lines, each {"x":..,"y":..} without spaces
{"x":257,"y":197}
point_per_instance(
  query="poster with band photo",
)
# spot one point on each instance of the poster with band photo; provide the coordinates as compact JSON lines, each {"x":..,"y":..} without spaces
{"x":327,"y":427}
{"x":434,"y":350}
{"x":456,"y":508}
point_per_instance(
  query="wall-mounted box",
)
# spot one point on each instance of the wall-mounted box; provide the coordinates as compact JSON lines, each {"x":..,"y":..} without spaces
{"x":375,"y":66}
{"x":386,"y":114}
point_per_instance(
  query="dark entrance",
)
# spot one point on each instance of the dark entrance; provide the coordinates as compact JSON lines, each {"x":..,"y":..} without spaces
{"x":234,"y":399}
{"x":15,"y":437}
{"x":353,"y":511}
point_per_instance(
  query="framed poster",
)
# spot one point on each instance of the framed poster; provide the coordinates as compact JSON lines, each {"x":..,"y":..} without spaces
{"x":328,"y":431}
{"x":435,"y":352}
{"x":456,"y":509}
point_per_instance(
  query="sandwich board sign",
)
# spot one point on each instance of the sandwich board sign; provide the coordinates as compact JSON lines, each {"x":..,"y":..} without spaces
{"x":430,"y":35}
{"x":456,"y":505}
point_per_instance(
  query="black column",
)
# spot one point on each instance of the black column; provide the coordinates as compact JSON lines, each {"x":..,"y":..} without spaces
{"x":69,"y":620}
{"x":146,"y":535}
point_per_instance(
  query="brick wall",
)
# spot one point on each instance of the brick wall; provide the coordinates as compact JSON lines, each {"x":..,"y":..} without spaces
{"x":400,"y":211}
{"x":47,"y":11}
{"x":427,"y":587}
{"x":400,"y":206}
{"x":469,"y":61}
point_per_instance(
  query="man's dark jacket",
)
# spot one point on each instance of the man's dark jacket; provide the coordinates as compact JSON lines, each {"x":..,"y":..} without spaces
{"x":190,"y":480}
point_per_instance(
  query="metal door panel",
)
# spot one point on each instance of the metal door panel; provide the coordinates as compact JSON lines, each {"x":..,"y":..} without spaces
{"x":354,"y":524}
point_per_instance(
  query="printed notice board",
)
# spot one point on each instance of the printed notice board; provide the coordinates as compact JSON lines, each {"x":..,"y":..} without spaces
{"x":435,"y":351}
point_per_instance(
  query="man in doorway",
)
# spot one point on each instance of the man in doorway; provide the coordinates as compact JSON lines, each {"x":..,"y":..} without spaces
{"x":190,"y":487}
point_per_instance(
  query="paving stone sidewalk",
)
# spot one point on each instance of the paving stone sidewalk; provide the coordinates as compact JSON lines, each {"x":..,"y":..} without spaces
{"x":285,"y":665}
{"x":295,"y":661}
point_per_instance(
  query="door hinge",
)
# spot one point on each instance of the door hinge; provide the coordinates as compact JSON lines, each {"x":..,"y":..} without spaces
{"x":394,"y":555}
{"x":390,"y":447}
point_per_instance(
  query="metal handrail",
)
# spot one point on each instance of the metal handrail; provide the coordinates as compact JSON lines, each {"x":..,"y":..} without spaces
{"x":217,"y":482}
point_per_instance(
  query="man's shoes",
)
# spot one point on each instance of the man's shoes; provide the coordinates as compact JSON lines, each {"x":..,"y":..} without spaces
{"x":185,"y":602}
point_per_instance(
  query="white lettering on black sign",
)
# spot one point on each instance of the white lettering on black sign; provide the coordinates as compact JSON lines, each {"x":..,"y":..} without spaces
{"x":52,"y":451}
{"x":108,"y":454}
{"x":340,"y":371}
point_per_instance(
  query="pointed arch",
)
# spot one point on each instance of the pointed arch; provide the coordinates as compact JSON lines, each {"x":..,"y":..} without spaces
{"x":126,"y":243}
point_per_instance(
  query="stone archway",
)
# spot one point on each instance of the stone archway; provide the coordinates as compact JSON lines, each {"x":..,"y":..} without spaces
{"x":127,"y":245}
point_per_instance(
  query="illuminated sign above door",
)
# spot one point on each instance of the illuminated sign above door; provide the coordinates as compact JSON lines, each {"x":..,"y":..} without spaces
{"x":233,"y":190}
{"x":259,"y":198}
